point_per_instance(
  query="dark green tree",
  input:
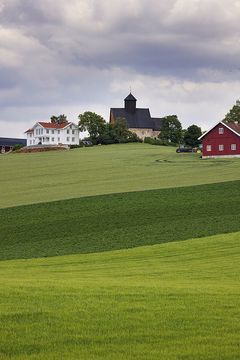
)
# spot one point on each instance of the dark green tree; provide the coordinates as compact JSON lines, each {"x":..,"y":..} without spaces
{"x":58,"y":119}
{"x":120,"y":130}
{"x":171,"y":131}
{"x":233,"y":115}
{"x":191,"y":135}
{"x":107,"y":136}
{"x":94,"y":124}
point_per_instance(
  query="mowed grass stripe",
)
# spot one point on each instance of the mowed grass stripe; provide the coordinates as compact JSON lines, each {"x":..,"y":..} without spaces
{"x":171,"y":301}
{"x":119,"y":221}
{"x":34,"y":178}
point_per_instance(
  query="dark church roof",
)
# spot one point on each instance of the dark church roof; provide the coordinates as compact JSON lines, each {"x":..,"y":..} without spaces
{"x":12,"y":141}
{"x":136,"y":117}
{"x":141,"y":118}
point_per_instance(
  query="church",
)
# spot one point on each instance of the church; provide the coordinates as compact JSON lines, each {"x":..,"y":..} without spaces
{"x":139,"y":120}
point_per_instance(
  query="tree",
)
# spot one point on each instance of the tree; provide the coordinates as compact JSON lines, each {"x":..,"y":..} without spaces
{"x":171,"y":130}
{"x":233,"y":114}
{"x":107,"y":136}
{"x":58,"y":119}
{"x":191,"y":135}
{"x":120,"y":130}
{"x":93,"y":123}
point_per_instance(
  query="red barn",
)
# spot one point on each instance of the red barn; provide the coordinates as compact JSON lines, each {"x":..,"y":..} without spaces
{"x":223,"y":140}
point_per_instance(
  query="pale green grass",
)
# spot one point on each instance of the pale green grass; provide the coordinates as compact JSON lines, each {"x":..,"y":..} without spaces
{"x":172,"y":301}
{"x":32,"y":178}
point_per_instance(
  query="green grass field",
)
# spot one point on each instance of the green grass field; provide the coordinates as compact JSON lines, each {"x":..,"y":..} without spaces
{"x":32,"y":178}
{"x":119,"y":252}
{"x":170,"y":301}
{"x":119,"y":221}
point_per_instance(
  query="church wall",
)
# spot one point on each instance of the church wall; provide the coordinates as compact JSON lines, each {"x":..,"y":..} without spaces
{"x":142,"y":133}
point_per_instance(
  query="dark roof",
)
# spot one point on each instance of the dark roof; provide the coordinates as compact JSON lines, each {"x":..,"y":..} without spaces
{"x":141,"y":118}
{"x":233,"y":126}
{"x":12,"y":141}
{"x":130,"y":97}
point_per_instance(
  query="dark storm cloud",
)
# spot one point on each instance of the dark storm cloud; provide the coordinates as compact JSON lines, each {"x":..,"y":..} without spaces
{"x":74,"y":51}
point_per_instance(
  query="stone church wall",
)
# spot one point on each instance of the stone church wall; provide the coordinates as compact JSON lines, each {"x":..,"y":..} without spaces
{"x":142,"y":133}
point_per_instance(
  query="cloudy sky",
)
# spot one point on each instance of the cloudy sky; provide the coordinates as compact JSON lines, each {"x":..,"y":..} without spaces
{"x":68,"y":56}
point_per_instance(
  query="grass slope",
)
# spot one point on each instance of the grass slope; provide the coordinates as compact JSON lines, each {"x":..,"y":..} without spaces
{"x":119,"y":221}
{"x":31,"y":178}
{"x":172,"y":301}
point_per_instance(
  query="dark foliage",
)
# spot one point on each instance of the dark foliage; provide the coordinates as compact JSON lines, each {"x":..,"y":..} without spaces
{"x":171,"y":130}
{"x":191,"y":135}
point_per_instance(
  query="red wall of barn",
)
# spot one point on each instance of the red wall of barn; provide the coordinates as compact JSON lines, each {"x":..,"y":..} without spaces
{"x":215,"y":139}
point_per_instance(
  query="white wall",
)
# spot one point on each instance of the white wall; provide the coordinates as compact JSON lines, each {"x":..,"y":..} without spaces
{"x":68,"y":136}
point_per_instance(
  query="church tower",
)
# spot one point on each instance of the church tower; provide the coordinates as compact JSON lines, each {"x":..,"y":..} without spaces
{"x":130,"y":104}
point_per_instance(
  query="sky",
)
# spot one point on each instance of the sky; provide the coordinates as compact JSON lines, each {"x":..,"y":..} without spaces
{"x":70,"y":56}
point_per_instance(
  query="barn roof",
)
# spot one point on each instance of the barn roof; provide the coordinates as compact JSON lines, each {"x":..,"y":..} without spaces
{"x":141,"y":118}
{"x":12,"y":141}
{"x":235,"y":128}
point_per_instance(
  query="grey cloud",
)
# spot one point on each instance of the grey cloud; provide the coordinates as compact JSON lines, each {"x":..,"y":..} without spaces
{"x":72,"y":51}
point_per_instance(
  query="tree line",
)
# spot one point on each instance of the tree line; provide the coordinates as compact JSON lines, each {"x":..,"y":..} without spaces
{"x":172,"y":133}
{"x":102,"y":132}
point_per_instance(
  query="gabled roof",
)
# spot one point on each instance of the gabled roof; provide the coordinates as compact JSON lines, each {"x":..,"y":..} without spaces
{"x":130,"y":97}
{"x":235,"y":128}
{"x":141,"y":118}
{"x":49,"y":125}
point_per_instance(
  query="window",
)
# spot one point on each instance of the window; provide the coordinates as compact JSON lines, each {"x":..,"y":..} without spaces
{"x":52,"y":131}
{"x":30,"y":142}
{"x":47,"y":138}
{"x":233,"y":147}
{"x":47,"y":131}
{"x":53,"y":139}
{"x":221,"y":130}
{"x":58,"y":139}
{"x":209,"y":147}
{"x":68,"y":139}
{"x":221,"y":147}
{"x":73,"y":132}
{"x":67,"y":131}
{"x":73,"y":139}
{"x":58,"y":132}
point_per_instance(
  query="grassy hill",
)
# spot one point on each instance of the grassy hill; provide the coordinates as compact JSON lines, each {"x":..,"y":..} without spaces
{"x":114,"y":297}
{"x":32,"y":178}
{"x":172,"y":301}
{"x":119,"y":221}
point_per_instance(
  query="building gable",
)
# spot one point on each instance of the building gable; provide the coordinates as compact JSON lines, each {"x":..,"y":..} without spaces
{"x":222,"y":140}
{"x":234,"y":128}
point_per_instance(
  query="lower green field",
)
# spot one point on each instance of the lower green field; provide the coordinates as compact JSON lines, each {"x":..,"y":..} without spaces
{"x":171,"y":301}
{"x":119,"y":221}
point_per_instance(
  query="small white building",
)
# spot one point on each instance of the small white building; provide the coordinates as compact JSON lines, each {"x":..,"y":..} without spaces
{"x":47,"y":133}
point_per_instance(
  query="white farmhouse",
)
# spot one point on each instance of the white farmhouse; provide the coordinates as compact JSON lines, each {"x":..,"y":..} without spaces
{"x":47,"y":133}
